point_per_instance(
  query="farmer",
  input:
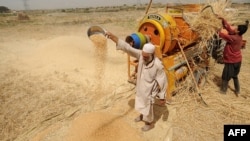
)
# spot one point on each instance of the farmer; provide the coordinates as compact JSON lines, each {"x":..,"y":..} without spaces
{"x":151,"y":79}
{"x":232,"y":54}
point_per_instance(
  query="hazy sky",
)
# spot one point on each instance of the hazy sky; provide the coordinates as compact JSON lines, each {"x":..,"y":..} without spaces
{"x":54,"y":4}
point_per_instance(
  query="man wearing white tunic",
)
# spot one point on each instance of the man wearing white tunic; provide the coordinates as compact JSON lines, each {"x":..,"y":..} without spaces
{"x":151,"y":79}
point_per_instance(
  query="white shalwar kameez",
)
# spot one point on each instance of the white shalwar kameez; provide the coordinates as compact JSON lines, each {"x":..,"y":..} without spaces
{"x":151,"y":81}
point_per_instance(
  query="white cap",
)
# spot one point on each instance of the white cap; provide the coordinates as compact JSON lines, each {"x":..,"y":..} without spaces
{"x":148,"y":48}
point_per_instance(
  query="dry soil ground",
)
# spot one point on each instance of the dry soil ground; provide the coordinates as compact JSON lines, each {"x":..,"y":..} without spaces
{"x":55,"y":85}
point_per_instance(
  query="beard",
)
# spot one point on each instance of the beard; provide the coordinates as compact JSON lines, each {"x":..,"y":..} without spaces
{"x":148,"y":60}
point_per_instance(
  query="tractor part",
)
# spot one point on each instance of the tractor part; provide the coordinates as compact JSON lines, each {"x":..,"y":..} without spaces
{"x":138,"y":39}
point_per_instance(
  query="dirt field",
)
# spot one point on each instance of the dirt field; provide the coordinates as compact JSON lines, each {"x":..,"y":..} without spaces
{"x":57,"y":86}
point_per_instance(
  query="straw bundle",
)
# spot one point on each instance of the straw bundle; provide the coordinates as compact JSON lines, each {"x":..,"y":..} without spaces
{"x":206,"y":22}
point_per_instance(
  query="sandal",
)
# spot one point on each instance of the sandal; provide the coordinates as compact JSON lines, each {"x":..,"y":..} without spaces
{"x":147,"y":127}
{"x":139,"y":118}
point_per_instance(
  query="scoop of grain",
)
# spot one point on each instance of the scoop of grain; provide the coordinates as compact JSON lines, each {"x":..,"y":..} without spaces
{"x":99,"y":40}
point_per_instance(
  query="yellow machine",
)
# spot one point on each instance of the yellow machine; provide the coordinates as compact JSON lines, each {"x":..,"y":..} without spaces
{"x":176,"y":46}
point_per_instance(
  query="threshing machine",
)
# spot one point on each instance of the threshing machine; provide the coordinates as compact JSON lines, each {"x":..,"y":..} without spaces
{"x":176,"y":45}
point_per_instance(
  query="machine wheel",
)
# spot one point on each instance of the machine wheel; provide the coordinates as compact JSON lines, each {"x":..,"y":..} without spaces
{"x":200,"y":76}
{"x":216,"y":46}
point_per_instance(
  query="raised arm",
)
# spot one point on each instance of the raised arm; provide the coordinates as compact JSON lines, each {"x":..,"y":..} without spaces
{"x":227,"y":26}
{"x":124,"y":46}
{"x":112,"y":37}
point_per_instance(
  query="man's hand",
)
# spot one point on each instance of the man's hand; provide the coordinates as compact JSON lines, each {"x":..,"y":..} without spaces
{"x":111,"y":36}
{"x":162,"y":102}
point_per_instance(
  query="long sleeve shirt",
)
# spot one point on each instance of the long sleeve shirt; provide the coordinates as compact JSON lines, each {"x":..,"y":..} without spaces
{"x":151,"y":79}
{"x":232,"y":50}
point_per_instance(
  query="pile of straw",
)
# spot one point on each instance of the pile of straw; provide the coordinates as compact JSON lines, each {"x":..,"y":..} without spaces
{"x":206,"y":22}
{"x":193,"y":120}
{"x":197,"y":122}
